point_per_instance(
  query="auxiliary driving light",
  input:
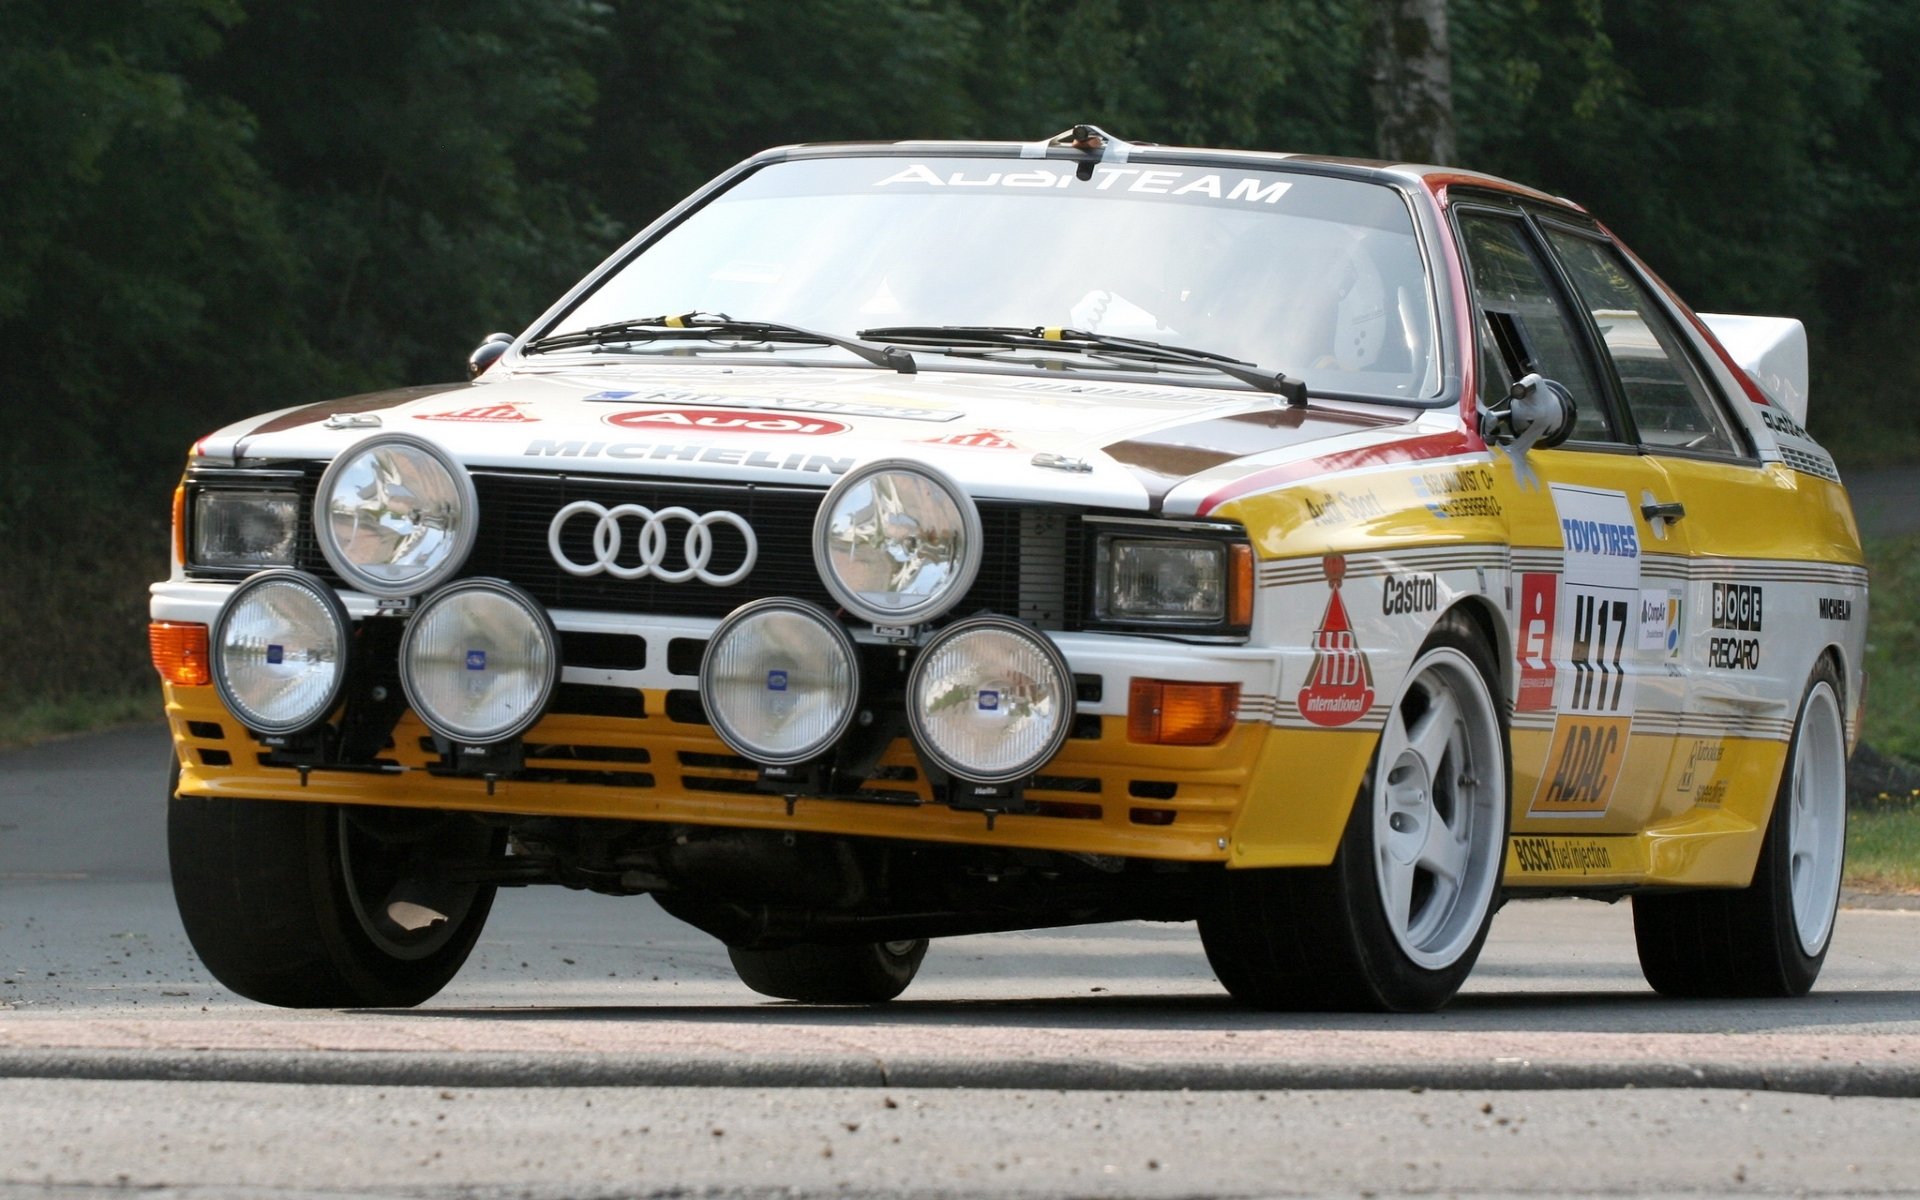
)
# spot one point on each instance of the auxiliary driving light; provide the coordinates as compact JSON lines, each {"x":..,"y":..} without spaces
{"x":395,"y":516}
{"x":279,"y":651}
{"x":479,"y":661}
{"x":897,"y":542}
{"x":780,"y":681}
{"x":990,"y":699}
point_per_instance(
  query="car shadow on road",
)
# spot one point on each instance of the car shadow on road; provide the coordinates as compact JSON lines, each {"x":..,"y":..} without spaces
{"x":1502,"y":1012}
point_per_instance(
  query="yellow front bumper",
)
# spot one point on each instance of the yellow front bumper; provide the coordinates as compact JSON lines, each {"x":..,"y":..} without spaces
{"x":1264,"y":796}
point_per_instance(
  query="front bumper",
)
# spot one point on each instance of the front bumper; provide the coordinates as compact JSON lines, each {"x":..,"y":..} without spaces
{"x":1265,"y":795}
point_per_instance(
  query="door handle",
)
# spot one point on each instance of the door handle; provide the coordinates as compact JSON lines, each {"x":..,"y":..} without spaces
{"x":1670,"y":511}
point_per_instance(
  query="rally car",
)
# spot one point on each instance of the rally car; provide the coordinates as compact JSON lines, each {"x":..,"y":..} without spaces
{"x":916,"y":539}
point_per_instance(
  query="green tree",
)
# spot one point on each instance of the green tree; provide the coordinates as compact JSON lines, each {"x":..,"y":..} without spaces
{"x":1412,"y":81}
{"x":208,"y":209}
{"x":1696,"y":131}
{"x":1255,"y":74}
{"x":145,"y":281}
{"x":424,"y":155}
{"x":145,"y":271}
{"x":1760,"y":154}
{"x":1869,"y":294}
{"x":686,"y":90}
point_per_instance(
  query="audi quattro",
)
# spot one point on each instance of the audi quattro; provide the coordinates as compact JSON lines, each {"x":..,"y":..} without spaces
{"x":906,"y":540}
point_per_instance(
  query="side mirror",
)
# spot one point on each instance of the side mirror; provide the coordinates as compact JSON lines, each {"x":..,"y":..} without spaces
{"x":487,"y":353}
{"x":1540,"y":412}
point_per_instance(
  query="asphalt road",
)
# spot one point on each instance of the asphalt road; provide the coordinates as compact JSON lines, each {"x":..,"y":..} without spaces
{"x":595,"y":1047}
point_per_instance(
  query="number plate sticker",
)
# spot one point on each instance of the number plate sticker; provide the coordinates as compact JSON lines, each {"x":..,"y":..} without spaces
{"x":1599,"y":604}
{"x":1597,"y":626}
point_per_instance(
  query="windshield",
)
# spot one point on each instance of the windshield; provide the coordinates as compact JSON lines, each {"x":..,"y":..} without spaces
{"x":1320,"y":278}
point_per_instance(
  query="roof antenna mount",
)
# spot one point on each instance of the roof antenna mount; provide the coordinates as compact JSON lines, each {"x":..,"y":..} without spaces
{"x":1096,"y":143}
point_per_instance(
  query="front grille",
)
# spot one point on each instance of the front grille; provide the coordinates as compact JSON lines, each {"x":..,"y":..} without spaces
{"x":516,"y":510}
{"x":1033,"y":565}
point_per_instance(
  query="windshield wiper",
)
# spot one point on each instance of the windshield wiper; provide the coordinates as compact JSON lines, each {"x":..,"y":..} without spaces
{"x":700,"y":325}
{"x":1043,"y":338}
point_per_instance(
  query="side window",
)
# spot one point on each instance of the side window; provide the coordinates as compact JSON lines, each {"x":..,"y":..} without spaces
{"x":1512,"y":287}
{"x":1670,"y":403}
{"x":1495,"y":378}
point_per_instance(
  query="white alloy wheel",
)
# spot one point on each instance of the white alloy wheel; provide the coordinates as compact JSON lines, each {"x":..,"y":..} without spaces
{"x":1817,"y":823}
{"x":1438,"y":791}
{"x":1395,"y":922}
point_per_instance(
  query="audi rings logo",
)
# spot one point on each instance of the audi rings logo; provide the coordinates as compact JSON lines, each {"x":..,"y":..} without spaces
{"x":650,"y":531}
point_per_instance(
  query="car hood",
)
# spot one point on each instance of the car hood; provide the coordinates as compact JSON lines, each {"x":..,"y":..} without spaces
{"x":1123,"y":445}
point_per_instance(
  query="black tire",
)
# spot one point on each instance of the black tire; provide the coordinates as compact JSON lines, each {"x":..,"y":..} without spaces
{"x":865,"y":973}
{"x":1764,"y":940}
{"x":293,"y":904}
{"x":1323,"y":939}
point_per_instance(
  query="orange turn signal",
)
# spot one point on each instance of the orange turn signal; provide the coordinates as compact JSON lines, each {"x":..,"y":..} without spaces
{"x":179,"y":653}
{"x":1240,"y":585}
{"x":180,"y":523}
{"x":1169,"y":712}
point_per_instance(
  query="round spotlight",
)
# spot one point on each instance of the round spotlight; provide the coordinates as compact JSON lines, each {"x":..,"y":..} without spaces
{"x":780,"y":681}
{"x":395,"y":515}
{"x":279,"y":651}
{"x":897,"y":542}
{"x":479,"y":661}
{"x":990,"y":699}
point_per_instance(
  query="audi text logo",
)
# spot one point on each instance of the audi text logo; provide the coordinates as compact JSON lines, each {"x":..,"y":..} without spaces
{"x":725,"y":420}
{"x":649,"y":530}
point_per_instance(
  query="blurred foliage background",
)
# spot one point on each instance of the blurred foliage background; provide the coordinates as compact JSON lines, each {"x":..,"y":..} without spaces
{"x":210,"y":208}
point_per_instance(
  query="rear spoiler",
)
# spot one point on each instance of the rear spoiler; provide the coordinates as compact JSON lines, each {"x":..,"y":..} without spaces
{"x":1773,"y":350}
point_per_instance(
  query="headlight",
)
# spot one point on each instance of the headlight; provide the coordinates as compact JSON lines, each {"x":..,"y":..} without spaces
{"x":279,"y":650}
{"x":1173,"y":581}
{"x":897,"y":543}
{"x":780,"y":680}
{"x":990,"y":700}
{"x":244,"y":529}
{"x":395,"y":515}
{"x":479,"y":661}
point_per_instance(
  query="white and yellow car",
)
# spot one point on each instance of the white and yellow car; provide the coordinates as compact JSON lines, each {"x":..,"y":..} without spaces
{"x":905,"y":540}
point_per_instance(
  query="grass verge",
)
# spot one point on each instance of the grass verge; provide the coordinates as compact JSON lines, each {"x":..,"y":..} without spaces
{"x":38,"y":720}
{"x":1893,"y":644}
{"x":1883,"y":850}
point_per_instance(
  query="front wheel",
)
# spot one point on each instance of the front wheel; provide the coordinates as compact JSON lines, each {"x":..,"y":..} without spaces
{"x":1398,"y":919}
{"x":323,"y":906}
{"x":1771,"y":938}
{"x":864,"y":973}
